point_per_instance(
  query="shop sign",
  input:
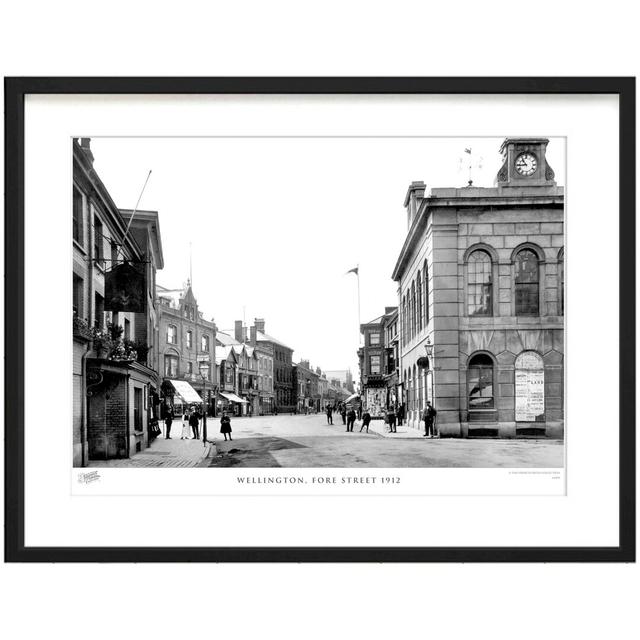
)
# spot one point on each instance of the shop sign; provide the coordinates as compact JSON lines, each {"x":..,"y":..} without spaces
{"x":125,"y":288}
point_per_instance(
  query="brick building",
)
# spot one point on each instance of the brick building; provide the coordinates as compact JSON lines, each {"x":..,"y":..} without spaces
{"x":265,"y":352}
{"x":392,"y":357}
{"x":246,"y":368}
{"x":284,"y":397}
{"x":227,"y":376}
{"x":371,"y":356}
{"x":306,"y":382}
{"x":115,"y":327}
{"x":187,"y":350}
{"x":481,"y":292}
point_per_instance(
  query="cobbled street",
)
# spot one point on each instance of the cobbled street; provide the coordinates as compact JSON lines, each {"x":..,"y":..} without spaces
{"x":308,"y":441}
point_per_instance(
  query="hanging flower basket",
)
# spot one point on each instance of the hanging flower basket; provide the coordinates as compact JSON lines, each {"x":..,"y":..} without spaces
{"x":81,"y":328}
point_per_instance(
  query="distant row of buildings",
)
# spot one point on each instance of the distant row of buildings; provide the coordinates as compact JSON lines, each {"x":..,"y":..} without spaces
{"x":140,"y":348}
{"x":479,"y":325}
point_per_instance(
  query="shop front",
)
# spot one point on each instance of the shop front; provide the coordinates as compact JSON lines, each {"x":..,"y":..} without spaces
{"x":121,"y":408}
{"x":229,"y":402}
{"x":180,"y":395}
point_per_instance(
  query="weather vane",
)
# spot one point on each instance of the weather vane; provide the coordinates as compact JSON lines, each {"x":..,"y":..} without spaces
{"x":469,"y":162}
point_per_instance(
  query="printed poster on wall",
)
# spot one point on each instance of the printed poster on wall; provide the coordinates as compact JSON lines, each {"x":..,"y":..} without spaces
{"x":529,"y":395}
{"x":375,"y":404}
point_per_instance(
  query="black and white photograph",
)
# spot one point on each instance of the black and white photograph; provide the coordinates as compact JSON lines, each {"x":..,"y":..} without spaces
{"x":320,"y":301}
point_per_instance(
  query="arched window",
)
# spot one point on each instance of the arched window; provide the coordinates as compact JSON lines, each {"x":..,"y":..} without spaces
{"x":205,"y":344}
{"x":172,"y":334}
{"x":420,"y":311}
{"x":189,"y":339}
{"x":406,"y":318}
{"x":415,"y":388}
{"x":413,"y":310}
{"x":403,"y":324}
{"x":479,"y":285}
{"x":425,"y":273}
{"x":529,"y":383}
{"x":561,"y":282}
{"x":480,"y":382}
{"x":527,"y":283}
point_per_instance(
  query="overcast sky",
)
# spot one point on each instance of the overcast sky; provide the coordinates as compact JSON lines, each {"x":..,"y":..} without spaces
{"x":275,"y":223}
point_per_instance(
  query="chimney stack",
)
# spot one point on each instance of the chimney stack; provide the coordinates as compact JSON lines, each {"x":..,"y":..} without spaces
{"x":415,"y":195}
{"x":85,"y":143}
{"x":238,"y":330}
{"x":253,"y":335}
{"x":259,"y":323}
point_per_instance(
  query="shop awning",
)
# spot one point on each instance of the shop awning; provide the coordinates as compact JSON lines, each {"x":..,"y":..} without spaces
{"x":185,"y":391}
{"x":232,"y":397}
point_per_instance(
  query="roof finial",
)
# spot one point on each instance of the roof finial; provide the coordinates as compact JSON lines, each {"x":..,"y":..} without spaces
{"x":469,"y":164}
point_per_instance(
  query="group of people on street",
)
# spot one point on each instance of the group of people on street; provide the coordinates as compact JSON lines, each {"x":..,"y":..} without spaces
{"x":191,"y":423}
{"x":393,"y":417}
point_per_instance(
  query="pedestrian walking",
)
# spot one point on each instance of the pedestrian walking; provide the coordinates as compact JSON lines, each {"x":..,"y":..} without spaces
{"x":429,"y":417}
{"x":329,"y":414}
{"x":391,"y":415}
{"x":185,"y":425}
{"x":343,"y":413}
{"x":400,"y":414}
{"x":366,"y":419}
{"x":194,"y":421}
{"x":168,"y":420}
{"x":351,"y":419}
{"x":225,"y":426}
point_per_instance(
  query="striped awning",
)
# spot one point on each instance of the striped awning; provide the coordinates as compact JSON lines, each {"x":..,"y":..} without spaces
{"x":232,"y":397}
{"x":185,"y":391}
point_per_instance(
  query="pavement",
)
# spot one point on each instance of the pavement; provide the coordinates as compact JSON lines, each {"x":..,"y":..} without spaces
{"x":308,"y":441}
{"x":173,"y":452}
{"x":382,"y":429}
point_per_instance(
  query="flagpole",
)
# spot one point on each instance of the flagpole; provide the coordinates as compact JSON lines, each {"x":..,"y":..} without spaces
{"x":359,"y":321}
{"x":133,"y":213}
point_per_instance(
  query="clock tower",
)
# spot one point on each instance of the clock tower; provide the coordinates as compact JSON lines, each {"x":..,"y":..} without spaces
{"x":525,"y":164}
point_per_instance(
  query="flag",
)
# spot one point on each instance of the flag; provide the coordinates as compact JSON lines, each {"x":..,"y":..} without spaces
{"x":354,"y":270}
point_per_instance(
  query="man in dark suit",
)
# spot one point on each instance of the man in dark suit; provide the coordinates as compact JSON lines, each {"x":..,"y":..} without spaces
{"x":194,"y":422}
{"x":429,"y":417}
{"x":329,"y":414}
{"x":351,"y":419}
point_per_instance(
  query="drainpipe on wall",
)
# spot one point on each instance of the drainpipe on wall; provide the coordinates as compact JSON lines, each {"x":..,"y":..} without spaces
{"x":84,"y":413}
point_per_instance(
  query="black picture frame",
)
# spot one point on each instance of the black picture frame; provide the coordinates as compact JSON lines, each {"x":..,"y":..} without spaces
{"x":15,"y":91}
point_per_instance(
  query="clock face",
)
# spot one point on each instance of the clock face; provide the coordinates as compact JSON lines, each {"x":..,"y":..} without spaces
{"x":526,"y":164}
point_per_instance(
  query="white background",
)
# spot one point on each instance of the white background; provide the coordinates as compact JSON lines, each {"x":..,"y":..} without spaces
{"x":331,"y":39}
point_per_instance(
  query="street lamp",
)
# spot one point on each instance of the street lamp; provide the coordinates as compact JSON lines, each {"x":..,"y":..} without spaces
{"x":204,"y":370}
{"x":428,"y":347}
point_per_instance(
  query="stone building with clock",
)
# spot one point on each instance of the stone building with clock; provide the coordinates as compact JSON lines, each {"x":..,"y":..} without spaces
{"x":481,"y":301}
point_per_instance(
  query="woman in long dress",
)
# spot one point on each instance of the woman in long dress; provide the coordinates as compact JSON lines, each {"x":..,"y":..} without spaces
{"x":225,"y":426}
{"x":185,"y":425}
